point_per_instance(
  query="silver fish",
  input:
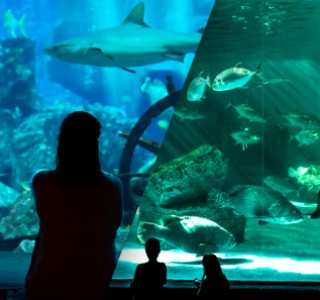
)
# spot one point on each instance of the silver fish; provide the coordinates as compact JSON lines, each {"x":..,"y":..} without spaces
{"x":301,"y":120}
{"x":264,"y":204}
{"x":247,"y":112}
{"x":197,"y":87}
{"x":233,"y":78}
{"x":245,"y":138}
{"x":306,"y":137}
{"x":187,"y":114}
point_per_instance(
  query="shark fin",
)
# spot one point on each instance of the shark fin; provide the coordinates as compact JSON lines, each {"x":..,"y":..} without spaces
{"x":112,"y":58}
{"x":103,"y":53}
{"x":175,"y":56}
{"x":136,"y":15}
{"x":126,"y":69}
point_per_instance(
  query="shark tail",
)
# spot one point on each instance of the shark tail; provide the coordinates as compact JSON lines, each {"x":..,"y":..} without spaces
{"x":21,"y":26}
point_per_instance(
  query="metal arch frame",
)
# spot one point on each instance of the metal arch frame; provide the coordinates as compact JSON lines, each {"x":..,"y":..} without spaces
{"x":129,"y":147}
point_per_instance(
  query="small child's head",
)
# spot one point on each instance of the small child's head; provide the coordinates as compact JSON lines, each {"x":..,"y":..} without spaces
{"x":152,"y":247}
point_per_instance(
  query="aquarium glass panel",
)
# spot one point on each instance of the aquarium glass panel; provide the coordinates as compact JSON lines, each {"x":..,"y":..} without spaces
{"x":238,"y":172}
{"x":93,"y":55}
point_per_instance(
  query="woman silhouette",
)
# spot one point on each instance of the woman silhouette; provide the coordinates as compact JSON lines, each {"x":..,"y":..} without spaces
{"x":80,"y":210}
{"x":214,"y":284}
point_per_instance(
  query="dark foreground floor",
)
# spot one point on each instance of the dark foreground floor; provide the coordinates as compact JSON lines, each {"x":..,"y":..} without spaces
{"x":13,"y":268}
{"x":185,"y":290}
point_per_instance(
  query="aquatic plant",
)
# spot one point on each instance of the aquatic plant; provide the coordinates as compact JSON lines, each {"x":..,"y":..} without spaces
{"x":311,"y":178}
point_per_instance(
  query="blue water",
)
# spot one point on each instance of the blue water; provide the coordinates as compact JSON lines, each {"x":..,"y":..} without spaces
{"x":40,"y":90}
{"x":47,"y":22}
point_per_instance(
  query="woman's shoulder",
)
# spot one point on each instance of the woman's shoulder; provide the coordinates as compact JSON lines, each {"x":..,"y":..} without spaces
{"x":108,"y":177}
{"x":42,"y":174}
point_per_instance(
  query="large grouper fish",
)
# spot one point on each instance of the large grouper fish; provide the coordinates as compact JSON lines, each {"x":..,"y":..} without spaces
{"x":190,"y":234}
{"x":263,"y":204}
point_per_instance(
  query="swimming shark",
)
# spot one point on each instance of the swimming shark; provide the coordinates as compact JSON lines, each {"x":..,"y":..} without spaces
{"x":131,"y":44}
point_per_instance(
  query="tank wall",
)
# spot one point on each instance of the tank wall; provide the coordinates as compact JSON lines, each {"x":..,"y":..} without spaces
{"x":237,"y":174}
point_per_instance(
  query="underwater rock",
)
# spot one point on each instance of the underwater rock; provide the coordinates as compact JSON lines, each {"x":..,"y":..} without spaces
{"x":22,"y":220}
{"x":183,"y":181}
{"x":191,"y":234}
{"x":7,"y":195}
{"x":34,"y":139}
{"x":17,"y":75}
{"x":189,"y":177}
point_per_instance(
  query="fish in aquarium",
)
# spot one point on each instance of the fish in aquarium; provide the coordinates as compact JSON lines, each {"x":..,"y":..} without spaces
{"x":236,"y":77}
{"x":247,"y":112}
{"x":245,"y":138}
{"x":198,"y":87}
{"x":281,"y":185}
{"x":13,"y":24}
{"x":191,"y":234}
{"x":300,"y":119}
{"x":264,"y":204}
{"x":306,"y":137}
{"x":131,"y":44}
{"x":188,"y":114}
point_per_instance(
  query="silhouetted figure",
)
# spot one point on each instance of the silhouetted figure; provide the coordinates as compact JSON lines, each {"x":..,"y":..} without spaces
{"x":150,"y":277}
{"x":80,"y":210}
{"x":214,"y":283}
{"x":316,"y":213}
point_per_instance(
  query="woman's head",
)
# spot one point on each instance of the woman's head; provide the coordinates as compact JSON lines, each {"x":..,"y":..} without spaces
{"x":211,"y":264}
{"x":78,"y":147}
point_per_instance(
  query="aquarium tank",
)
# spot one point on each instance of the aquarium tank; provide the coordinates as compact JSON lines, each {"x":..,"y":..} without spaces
{"x":123,"y":61}
{"x":239,"y":168}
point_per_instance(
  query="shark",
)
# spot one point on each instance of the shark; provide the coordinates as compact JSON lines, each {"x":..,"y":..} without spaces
{"x":131,"y":44}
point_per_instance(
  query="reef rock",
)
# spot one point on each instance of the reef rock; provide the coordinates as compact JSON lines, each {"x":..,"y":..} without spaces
{"x":188,"y":178}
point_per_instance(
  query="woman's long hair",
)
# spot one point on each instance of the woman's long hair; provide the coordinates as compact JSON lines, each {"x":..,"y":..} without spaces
{"x":78,"y":150}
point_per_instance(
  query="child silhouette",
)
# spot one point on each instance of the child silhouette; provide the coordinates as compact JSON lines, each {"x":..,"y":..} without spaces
{"x":150,"y":277}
